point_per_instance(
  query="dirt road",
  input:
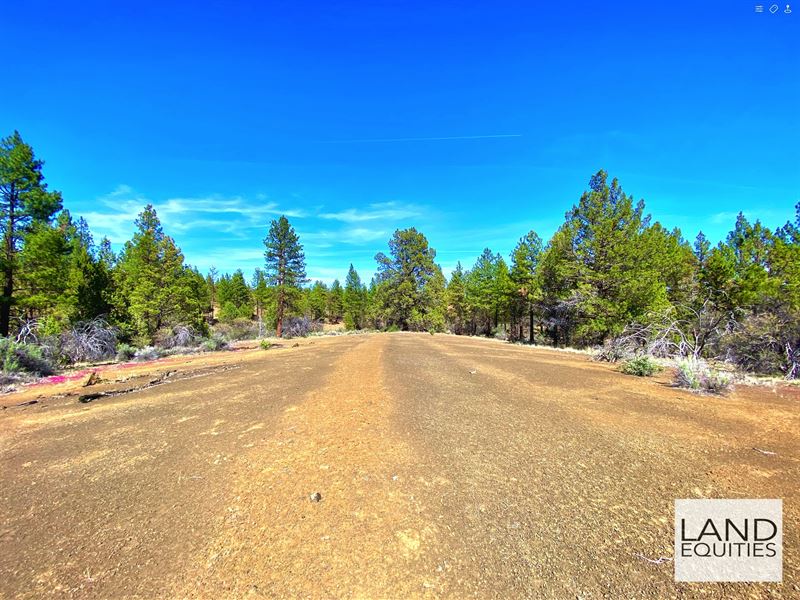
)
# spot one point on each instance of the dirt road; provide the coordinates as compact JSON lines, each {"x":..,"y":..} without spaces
{"x":447,"y":467}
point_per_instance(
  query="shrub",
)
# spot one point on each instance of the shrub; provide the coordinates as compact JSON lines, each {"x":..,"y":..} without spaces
{"x":392,"y":328}
{"x":214,"y":343}
{"x":89,"y":341}
{"x":179,"y":336}
{"x":718,"y":382}
{"x":612,"y":351}
{"x":23,"y":358}
{"x":697,"y":376}
{"x":641,"y":366}
{"x":500,"y":333}
{"x":229,"y":312}
{"x":147,"y":353}
{"x":125,"y":352}
{"x":766,"y":343}
{"x":265,"y":344}
{"x":300,"y":327}
{"x":238,"y":329}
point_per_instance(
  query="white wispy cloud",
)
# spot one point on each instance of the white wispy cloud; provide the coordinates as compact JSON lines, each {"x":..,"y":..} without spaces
{"x":764,"y":215}
{"x":354,"y":235}
{"x":375,"y":212}
{"x":227,"y":231}
{"x":118,"y":210}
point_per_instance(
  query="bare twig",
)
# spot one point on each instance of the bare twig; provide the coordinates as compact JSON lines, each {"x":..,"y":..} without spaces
{"x":767,"y":452}
{"x":654,"y":561}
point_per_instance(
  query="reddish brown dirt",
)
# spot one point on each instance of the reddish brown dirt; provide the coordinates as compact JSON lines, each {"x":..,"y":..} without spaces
{"x":448,"y":467}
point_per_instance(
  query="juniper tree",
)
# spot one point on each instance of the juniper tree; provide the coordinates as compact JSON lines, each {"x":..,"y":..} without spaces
{"x":24,"y":201}
{"x":285,"y":267}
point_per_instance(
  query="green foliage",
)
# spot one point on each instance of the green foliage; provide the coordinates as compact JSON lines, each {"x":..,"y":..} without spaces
{"x":238,"y":329}
{"x":641,"y":366}
{"x":154,"y":288}
{"x":407,"y":271}
{"x":234,"y":297}
{"x":335,"y":302}
{"x":354,"y":301}
{"x":230,"y":312}
{"x":489,"y":291}
{"x":456,"y":300}
{"x":265,"y":344}
{"x":262,"y":297}
{"x":524,"y":265}
{"x":607,"y":271}
{"x":213,"y":344}
{"x":696,"y":376}
{"x":125,"y":352}
{"x":24,"y":203}
{"x":318,"y":301}
{"x":607,"y":266}
{"x":23,"y":358}
{"x":285,"y":267}
{"x":147,"y":354}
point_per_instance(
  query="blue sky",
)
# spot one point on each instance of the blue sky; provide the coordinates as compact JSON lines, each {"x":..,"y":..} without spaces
{"x":474,"y":122}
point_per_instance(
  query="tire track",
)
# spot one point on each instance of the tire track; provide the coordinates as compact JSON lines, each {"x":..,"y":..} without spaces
{"x":365,"y":538}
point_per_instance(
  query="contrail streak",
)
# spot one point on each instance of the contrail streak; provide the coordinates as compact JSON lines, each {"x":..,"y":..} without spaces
{"x":424,"y":139}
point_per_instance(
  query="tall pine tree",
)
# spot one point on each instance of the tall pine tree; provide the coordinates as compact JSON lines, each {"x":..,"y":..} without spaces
{"x":285,"y":267}
{"x":24,"y":201}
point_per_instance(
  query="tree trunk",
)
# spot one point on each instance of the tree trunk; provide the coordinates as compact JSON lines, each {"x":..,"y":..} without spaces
{"x":530,"y":314}
{"x":5,"y":308}
{"x":8,"y":268}
{"x":279,"y":315}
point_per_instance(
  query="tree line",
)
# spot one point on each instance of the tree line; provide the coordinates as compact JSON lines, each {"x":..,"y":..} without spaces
{"x":609,"y":275}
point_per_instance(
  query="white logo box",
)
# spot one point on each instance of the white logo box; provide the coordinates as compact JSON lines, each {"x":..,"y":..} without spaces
{"x":728,"y":540}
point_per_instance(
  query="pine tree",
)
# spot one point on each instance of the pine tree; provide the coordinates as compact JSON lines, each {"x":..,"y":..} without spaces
{"x":285,"y":266}
{"x":211,"y":285}
{"x":481,"y":290}
{"x":456,"y":300}
{"x":318,"y":300}
{"x":150,"y":291}
{"x":354,"y":300}
{"x":407,"y":272}
{"x":505,"y":296}
{"x":701,"y":247}
{"x":336,"y":302}
{"x":434,"y":304}
{"x":614,"y":284}
{"x":43,"y":272}
{"x":260,"y":295}
{"x":524,"y":263}
{"x":234,"y":297}
{"x":24,"y":201}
